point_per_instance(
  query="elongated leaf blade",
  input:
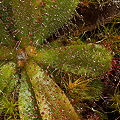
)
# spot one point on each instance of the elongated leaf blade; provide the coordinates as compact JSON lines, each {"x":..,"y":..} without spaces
{"x":23,"y":11}
{"x":6,"y":72}
{"x":90,"y":60}
{"x":27,"y":104}
{"x":5,"y":37}
{"x":6,"y":14}
{"x":7,"y":53}
{"x":53,"y":16}
{"x":52,"y":102}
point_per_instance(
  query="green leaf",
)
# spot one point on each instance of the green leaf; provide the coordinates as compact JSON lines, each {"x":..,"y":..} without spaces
{"x":52,"y":17}
{"x":6,"y":72}
{"x":3,"y":62}
{"x":7,"y":16}
{"x":12,"y":84}
{"x":25,"y":16}
{"x":90,"y":59}
{"x":5,"y":37}
{"x":7,"y":53}
{"x":27,"y":105}
{"x":52,"y":102}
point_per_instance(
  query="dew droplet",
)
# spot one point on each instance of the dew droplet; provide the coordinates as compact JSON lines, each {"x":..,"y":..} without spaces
{"x":30,"y":33}
{"x":22,"y":32}
{"x":36,"y":7}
